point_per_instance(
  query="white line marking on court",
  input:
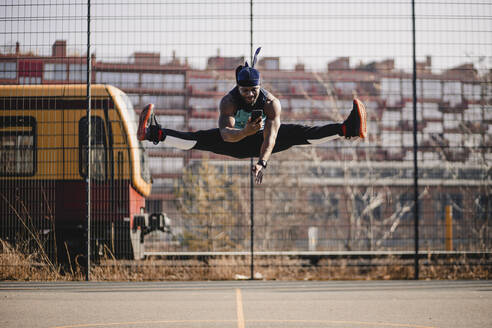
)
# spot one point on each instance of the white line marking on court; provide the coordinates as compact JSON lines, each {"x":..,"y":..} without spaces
{"x":239,"y":307}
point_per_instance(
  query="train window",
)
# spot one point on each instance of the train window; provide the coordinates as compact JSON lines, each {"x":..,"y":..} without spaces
{"x":144,"y":166}
{"x":17,"y":146}
{"x":98,"y":148}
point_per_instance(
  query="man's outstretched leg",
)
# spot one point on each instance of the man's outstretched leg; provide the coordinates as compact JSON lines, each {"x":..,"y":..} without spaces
{"x":355,"y":126}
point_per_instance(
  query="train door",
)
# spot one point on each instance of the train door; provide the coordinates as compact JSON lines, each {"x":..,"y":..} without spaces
{"x":72,"y":191}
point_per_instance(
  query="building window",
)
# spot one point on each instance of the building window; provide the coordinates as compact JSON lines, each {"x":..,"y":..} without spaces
{"x":225,"y":85}
{"x":119,"y":79}
{"x":77,"y":72}
{"x":165,"y":102}
{"x":30,"y":71}
{"x":431,"y":89}
{"x":204,"y":103}
{"x":391,"y":119}
{"x":152,"y":81}
{"x":407,"y":88}
{"x":346,"y":88}
{"x":200,"y":84}
{"x":8,"y":70}
{"x":271,"y":64}
{"x":98,"y":148}
{"x":472,"y":91}
{"x":29,"y":80}
{"x":113,"y":78}
{"x":129,"y":80}
{"x":452,"y":93}
{"x":55,"y":72}
{"x":174,"y":81}
{"x":134,"y":99}
{"x":17,"y":145}
{"x":280,"y":85}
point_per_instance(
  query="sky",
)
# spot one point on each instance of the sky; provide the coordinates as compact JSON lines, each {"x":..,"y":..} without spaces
{"x":309,"y":32}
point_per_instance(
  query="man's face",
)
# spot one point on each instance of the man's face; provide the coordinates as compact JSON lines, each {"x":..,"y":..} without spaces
{"x":249,"y":94}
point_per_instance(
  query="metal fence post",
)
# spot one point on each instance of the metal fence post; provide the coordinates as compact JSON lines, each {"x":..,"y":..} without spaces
{"x":89,"y":70}
{"x":415,"y":148}
{"x":251,"y":180}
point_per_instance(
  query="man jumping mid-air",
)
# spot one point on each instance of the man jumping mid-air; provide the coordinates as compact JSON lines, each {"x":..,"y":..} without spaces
{"x":239,"y":136}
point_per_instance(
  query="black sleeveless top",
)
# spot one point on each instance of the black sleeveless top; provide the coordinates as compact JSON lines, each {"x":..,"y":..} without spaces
{"x":243,"y":110}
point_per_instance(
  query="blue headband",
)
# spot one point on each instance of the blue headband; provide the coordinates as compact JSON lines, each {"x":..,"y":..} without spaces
{"x":248,"y":76}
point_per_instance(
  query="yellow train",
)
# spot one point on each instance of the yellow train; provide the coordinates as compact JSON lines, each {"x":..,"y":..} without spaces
{"x":43,"y":167}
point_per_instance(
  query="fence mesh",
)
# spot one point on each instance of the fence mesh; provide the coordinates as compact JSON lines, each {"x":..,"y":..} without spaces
{"x":317,"y":56}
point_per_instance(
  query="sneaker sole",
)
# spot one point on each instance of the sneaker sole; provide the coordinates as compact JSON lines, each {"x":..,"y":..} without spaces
{"x":361,"y":110}
{"x":142,"y":123}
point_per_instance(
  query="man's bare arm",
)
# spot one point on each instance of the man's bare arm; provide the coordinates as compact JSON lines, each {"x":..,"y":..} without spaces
{"x":272,"y":124}
{"x":226,"y":122}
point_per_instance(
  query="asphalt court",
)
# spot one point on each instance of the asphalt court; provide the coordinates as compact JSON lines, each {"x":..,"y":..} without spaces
{"x":247,"y":304}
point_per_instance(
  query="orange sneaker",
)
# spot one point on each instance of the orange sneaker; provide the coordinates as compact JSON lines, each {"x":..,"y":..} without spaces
{"x":144,"y":121}
{"x":356,"y":123}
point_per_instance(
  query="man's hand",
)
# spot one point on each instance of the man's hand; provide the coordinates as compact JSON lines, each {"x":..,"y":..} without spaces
{"x":257,"y":170}
{"x":253,"y":127}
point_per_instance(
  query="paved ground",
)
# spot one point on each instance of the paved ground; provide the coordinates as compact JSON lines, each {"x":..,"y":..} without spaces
{"x":247,"y":304}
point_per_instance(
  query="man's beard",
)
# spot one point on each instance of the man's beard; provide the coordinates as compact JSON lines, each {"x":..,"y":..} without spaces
{"x":250,"y":103}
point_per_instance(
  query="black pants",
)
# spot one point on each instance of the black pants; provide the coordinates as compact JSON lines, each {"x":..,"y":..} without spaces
{"x":288,"y":135}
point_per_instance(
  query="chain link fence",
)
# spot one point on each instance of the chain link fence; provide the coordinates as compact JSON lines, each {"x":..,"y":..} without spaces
{"x":341,"y":199}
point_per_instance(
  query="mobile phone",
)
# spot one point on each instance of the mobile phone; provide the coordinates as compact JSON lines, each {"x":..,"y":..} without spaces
{"x":255,"y":114}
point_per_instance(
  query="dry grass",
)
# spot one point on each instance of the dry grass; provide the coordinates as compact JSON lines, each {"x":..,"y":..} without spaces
{"x":456,"y":268}
{"x":17,"y":265}
{"x":230,"y":268}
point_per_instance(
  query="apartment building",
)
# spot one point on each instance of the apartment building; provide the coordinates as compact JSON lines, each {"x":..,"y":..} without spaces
{"x":454,"y":106}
